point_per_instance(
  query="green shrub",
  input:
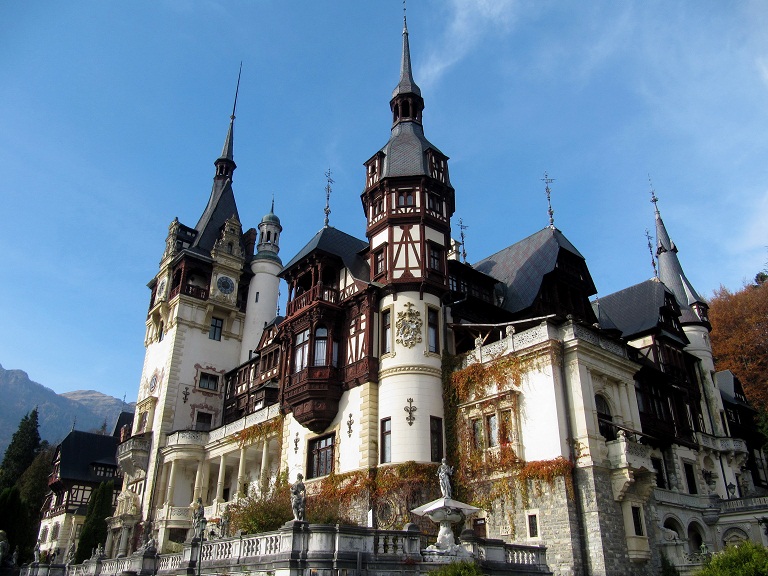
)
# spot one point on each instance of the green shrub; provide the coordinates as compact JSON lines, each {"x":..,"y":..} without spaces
{"x":263,"y":512}
{"x":463,"y":568}
{"x":746,"y":559}
{"x":667,"y":568}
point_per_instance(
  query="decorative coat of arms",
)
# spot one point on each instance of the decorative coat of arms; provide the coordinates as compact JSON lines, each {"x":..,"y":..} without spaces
{"x":408,"y":327}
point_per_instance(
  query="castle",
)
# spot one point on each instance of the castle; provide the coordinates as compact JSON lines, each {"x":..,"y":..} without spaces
{"x":597,"y":429}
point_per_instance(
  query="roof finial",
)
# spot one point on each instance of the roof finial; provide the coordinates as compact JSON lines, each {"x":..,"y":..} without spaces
{"x":654,"y":200}
{"x":405,"y":21}
{"x":650,"y":249}
{"x":237,"y":90}
{"x":272,"y":209}
{"x":463,"y":227}
{"x":327,"y":210}
{"x":547,"y":181}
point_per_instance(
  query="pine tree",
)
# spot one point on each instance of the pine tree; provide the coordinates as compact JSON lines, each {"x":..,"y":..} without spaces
{"x":24,"y":446}
{"x":94,"y":530}
{"x":19,"y":529}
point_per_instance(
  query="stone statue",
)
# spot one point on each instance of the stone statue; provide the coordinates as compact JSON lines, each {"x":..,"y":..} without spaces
{"x":4,"y":547}
{"x":149,"y":540}
{"x":197,"y":515}
{"x":36,"y":551}
{"x":15,"y":557}
{"x":298,"y":498}
{"x":443,"y":473}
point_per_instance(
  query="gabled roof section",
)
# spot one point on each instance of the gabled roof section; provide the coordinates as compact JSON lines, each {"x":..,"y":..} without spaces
{"x":731,"y":389}
{"x":80,"y":450}
{"x":637,"y":310}
{"x":337,"y":243}
{"x":221,"y":206}
{"x":522,"y":266}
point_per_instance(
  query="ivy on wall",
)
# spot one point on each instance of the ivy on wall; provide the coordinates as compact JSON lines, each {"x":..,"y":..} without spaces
{"x":497,"y":475}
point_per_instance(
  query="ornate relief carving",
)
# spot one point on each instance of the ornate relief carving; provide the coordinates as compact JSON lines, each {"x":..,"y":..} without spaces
{"x":408,"y":327}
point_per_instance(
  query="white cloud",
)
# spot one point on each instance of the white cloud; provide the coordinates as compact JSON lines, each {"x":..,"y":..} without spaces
{"x":470,"y":21}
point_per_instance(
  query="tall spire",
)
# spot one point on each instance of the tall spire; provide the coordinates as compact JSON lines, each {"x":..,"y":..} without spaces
{"x":225,"y":164}
{"x":407,"y":83}
{"x":671,"y":272}
{"x":406,"y":103}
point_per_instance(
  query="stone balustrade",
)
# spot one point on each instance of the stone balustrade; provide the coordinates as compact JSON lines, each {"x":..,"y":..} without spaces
{"x":266,"y":413}
{"x":187,"y":438}
{"x":744,"y":504}
{"x":683,"y":500}
{"x":299,"y":548}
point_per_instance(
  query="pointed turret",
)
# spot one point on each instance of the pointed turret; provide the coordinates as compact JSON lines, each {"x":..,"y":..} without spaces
{"x":225,"y":164}
{"x":221,"y":204}
{"x":672,"y":275}
{"x":407,"y":85}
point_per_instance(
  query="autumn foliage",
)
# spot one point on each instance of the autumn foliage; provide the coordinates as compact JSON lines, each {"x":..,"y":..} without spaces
{"x":740,"y":337}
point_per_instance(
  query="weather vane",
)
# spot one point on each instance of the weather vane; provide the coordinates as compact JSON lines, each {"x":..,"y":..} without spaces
{"x":654,"y":199}
{"x":650,"y":249}
{"x":327,"y":210}
{"x":463,"y":227}
{"x":547,"y":181}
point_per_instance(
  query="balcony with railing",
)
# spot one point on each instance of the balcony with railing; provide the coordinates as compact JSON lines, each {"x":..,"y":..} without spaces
{"x":317,"y":293}
{"x":187,"y":438}
{"x":189,"y":290}
{"x":134,"y":453}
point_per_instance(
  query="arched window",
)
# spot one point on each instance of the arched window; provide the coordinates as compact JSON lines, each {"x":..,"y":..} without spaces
{"x":695,"y":538}
{"x":321,"y":346}
{"x":44,"y":534}
{"x":55,"y":532}
{"x":604,"y":418}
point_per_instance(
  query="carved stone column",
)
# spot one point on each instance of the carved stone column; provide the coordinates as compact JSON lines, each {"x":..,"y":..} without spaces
{"x":241,"y":472}
{"x":220,"y":480}
{"x":171,"y":483}
{"x":198,"y":481}
{"x":264,"y":483}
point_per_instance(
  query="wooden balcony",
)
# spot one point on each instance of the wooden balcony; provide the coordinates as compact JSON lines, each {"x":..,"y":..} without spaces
{"x":317,"y":293}
{"x":189,"y":290}
{"x":313,"y":396}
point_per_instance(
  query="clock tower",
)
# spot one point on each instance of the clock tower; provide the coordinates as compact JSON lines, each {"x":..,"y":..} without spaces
{"x":408,"y":202}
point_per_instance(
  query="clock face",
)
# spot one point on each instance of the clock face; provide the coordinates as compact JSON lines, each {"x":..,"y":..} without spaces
{"x":225,"y":285}
{"x":153,"y":383}
{"x":161,"y":288}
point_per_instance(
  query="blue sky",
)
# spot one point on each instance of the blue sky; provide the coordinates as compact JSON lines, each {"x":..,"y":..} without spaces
{"x":112,"y":113}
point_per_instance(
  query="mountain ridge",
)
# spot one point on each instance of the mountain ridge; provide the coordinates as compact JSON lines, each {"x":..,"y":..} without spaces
{"x":57,"y":413}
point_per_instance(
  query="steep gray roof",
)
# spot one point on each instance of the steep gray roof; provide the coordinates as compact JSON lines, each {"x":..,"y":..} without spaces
{"x":635,"y":310}
{"x":405,"y":153}
{"x":80,"y":450}
{"x":337,"y":243}
{"x":221,"y":206}
{"x":522,"y":266}
{"x":670,"y":270}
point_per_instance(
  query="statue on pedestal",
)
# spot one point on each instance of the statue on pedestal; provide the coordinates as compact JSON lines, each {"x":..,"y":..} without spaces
{"x":298,"y":498}
{"x":443,"y":473}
